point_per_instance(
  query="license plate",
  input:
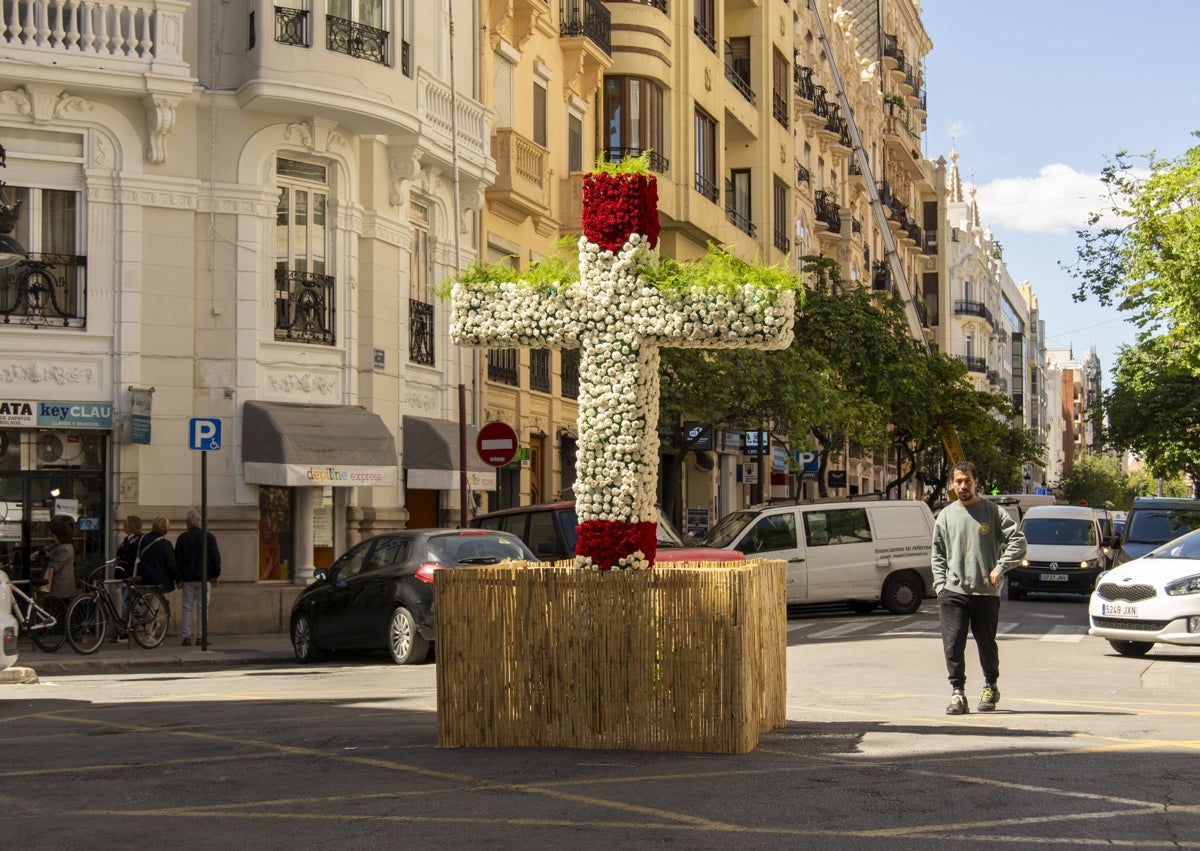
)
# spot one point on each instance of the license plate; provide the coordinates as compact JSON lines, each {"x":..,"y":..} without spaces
{"x":1054,"y":577}
{"x":1121,"y":609}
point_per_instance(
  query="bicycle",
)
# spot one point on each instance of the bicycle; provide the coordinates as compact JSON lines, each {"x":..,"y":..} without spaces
{"x":42,"y":616}
{"x":146,"y":617}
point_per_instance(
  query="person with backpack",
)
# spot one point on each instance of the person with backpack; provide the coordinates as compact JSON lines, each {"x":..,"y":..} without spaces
{"x":128,"y":549}
{"x":156,"y":558}
{"x":188,"y":548}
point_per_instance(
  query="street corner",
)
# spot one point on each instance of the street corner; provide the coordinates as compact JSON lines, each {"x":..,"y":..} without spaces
{"x":18,"y":675}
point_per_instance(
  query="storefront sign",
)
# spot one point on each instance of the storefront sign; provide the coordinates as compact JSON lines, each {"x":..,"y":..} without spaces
{"x":697,"y":437}
{"x":779,"y":457}
{"x":74,"y":415}
{"x":17,"y":414}
{"x":755,"y":442}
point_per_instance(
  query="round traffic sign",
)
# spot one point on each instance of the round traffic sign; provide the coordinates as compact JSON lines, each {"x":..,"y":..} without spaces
{"x":497,"y":444}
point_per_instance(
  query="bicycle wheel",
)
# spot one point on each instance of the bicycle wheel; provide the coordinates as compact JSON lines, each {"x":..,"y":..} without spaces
{"x":87,"y":625}
{"x":50,"y":638}
{"x":149,"y":618}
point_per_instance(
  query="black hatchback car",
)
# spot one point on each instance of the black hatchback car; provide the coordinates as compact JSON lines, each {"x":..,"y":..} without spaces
{"x":379,"y":593}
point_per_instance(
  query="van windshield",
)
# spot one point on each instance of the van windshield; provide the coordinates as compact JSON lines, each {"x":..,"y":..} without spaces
{"x":723,"y":534}
{"x":1060,"y":531}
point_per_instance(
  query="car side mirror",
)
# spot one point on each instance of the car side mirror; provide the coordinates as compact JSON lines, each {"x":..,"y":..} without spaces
{"x":320,"y":574}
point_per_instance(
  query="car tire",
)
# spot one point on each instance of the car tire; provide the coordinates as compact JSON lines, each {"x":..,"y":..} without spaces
{"x":304,"y":640}
{"x":902,"y":593}
{"x":1131,"y":648}
{"x":862,"y":607}
{"x":405,"y":642}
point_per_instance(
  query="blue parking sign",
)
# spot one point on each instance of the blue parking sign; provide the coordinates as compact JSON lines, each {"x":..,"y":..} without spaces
{"x":204,"y":434}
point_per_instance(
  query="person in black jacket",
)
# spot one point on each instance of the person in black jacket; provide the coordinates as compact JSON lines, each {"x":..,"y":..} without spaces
{"x":188,"y":547}
{"x":156,"y":558}
{"x":128,"y":550}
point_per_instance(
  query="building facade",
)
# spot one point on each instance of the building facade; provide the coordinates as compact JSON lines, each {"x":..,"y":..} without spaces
{"x":240,"y":213}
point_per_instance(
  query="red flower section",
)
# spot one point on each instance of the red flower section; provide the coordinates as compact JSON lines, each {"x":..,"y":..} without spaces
{"x":617,"y":205}
{"x":608,"y":541}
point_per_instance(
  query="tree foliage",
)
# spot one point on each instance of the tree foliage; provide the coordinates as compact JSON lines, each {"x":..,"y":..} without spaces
{"x":852,"y":373}
{"x":1143,"y":255}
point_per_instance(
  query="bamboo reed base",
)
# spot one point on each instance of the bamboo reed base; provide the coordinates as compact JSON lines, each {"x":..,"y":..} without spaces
{"x":684,"y":657}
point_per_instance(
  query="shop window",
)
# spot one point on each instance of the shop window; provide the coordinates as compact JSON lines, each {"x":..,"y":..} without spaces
{"x":276,"y":555}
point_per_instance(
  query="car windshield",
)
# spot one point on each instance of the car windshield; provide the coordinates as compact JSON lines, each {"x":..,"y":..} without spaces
{"x":1156,"y":525}
{"x":724,"y":533}
{"x":1060,"y":531}
{"x":477,"y":549}
{"x":1187,"y":546}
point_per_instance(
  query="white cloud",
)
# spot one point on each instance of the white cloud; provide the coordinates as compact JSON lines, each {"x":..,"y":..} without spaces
{"x":1057,"y":201}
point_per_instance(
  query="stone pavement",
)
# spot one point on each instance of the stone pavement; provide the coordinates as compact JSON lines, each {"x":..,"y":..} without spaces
{"x":223,"y":650}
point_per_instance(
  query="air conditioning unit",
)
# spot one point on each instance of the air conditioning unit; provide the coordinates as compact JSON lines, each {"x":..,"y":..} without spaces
{"x":59,"y":450}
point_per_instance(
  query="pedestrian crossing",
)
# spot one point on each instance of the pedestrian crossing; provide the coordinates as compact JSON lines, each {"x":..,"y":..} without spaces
{"x":1033,"y":628}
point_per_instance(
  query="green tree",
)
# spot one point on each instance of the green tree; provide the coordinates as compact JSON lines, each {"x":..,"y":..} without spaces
{"x":1153,"y":408}
{"x":1143,"y":255}
{"x":1097,"y":479}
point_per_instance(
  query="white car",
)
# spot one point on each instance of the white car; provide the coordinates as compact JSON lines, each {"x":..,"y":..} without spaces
{"x":8,"y":625}
{"x":1151,"y":600}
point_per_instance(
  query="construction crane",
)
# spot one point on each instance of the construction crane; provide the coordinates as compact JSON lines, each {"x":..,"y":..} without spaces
{"x":946,"y":431}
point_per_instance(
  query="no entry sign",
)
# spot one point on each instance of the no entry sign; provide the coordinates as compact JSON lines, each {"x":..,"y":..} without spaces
{"x":497,"y":444}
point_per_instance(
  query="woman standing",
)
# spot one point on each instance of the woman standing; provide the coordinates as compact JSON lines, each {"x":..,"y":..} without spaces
{"x":60,"y":560}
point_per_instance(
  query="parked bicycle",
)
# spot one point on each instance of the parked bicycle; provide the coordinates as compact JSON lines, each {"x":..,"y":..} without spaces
{"x":141,"y":613}
{"x":42,"y":616}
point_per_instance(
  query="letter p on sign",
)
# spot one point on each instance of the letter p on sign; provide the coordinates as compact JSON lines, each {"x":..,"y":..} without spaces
{"x":204,"y":434}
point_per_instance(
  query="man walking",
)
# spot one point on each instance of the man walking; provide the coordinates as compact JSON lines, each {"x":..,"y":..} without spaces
{"x":975,"y":542}
{"x":188,"y":548}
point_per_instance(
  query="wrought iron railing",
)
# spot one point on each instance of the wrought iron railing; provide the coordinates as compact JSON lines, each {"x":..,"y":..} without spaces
{"x":304,"y":307}
{"x":804,"y":83}
{"x":803,"y":175}
{"x":967,"y":307}
{"x":657,"y":162}
{"x":570,"y":373}
{"x":539,"y":370}
{"x":291,"y":26}
{"x":740,"y":219}
{"x":975,"y":364}
{"x":45,"y":290}
{"x":420,"y":332}
{"x":735,"y":75}
{"x":502,"y":367}
{"x":827,"y":210}
{"x":782,"y":241}
{"x":705,"y":34}
{"x":593,"y":22}
{"x":707,"y":187}
{"x":357,"y":40}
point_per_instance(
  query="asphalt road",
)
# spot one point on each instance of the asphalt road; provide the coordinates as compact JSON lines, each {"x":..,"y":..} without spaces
{"x":1086,"y":749}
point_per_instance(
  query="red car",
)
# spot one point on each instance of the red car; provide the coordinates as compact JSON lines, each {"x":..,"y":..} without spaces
{"x":549,"y":530}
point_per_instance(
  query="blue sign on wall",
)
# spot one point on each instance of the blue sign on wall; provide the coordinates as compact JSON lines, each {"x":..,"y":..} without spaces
{"x":204,"y":434}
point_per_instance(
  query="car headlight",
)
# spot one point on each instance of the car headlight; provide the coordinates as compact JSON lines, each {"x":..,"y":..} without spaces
{"x":1187,"y":585}
{"x":1089,"y":564}
{"x":1024,"y":562}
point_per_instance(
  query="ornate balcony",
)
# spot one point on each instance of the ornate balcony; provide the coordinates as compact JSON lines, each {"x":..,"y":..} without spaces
{"x":304,"y":307}
{"x":828,"y":211}
{"x":522,"y":188}
{"x":420,"y":332}
{"x":130,"y":48}
{"x":45,"y":290}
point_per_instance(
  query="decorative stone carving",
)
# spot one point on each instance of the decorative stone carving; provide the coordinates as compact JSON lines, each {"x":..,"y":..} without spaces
{"x":39,"y":373}
{"x":318,"y":135}
{"x":160,"y":119}
{"x":306,"y":383}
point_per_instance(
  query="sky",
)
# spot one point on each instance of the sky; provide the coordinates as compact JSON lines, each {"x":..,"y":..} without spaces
{"x":1037,"y":97}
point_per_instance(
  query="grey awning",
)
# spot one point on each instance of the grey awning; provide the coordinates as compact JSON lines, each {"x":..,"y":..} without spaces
{"x":431,"y":456}
{"x":338,"y":445}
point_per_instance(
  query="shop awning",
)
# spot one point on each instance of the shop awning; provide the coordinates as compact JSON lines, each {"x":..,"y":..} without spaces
{"x":431,"y":456}
{"x":316,"y":445}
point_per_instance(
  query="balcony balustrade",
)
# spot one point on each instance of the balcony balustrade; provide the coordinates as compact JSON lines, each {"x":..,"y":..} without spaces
{"x":805,"y":90}
{"x":827,"y":210}
{"x":357,"y":40}
{"x":975,"y":364}
{"x":967,"y":307}
{"x":521,"y":182}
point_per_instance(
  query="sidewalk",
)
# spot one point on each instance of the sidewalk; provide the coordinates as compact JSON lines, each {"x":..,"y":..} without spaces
{"x":223,"y":650}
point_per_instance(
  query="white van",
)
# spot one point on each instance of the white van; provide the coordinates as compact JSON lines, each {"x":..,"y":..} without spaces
{"x":863,"y":553}
{"x":1068,"y":550}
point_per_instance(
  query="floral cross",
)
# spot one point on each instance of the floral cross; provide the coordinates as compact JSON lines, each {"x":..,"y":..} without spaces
{"x":619,"y":321}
